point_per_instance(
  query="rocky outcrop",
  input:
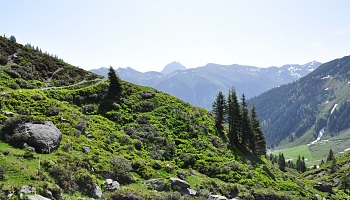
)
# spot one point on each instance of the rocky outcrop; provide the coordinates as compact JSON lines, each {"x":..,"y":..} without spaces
{"x":323,"y":188}
{"x":111,"y":185}
{"x":179,"y":184}
{"x":45,"y":137}
{"x":182,"y":186}
{"x":96,"y":191}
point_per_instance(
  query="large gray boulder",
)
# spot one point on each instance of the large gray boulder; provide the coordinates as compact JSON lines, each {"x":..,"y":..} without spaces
{"x":96,"y":191}
{"x":45,"y":137}
{"x":179,"y":184}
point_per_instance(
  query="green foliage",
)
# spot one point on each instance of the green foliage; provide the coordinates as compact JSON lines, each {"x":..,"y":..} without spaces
{"x":142,"y":134}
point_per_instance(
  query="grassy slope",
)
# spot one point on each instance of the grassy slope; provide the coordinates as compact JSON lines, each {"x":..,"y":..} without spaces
{"x":145,"y":134}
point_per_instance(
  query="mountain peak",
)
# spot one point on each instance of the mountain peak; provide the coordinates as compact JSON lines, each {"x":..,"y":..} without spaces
{"x":171,"y":67}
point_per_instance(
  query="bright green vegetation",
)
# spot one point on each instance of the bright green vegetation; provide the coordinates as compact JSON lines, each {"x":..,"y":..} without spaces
{"x":134,"y":135}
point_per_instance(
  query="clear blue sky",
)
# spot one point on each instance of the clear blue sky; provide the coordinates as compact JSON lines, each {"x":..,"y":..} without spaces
{"x":146,"y":35}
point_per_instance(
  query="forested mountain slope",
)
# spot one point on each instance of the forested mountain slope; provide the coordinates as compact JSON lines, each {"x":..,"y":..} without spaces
{"x":302,"y":108}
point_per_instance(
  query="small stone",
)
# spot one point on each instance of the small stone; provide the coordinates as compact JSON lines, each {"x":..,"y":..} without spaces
{"x":86,"y":149}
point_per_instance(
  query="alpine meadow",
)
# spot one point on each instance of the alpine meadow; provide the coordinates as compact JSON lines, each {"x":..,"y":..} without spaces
{"x":68,"y":133}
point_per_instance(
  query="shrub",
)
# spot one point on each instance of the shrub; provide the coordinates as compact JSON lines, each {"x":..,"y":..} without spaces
{"x":81,"y":126}
{"x":53,"y":111}
{"x":89,"y":108}
{"x":122,"y":168}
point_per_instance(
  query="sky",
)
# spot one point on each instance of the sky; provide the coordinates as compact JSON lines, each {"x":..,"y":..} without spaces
{"x":148,"y":34}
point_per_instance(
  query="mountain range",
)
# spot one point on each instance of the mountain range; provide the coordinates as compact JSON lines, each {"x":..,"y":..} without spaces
{"x":199,"y":86}
{"x":296,"y":112}
{"x":66,"y":133}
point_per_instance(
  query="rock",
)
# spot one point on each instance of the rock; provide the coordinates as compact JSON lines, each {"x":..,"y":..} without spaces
{"x":36,"y":197}
{"x":96,"y":191}
{"x":9,"y":114}
{"x":323,"y":188}
{"x":89,"y":135}
{"x":157,"y":184}
{"x":45,"y":138}
{"x":216,"y":197}
{"x":179,"y":184}
{"x":47,"y":194}
{"x":188,"y":191}
{"x":27,"y":189}
{"x":86,"y":149}
{"x":108,"y":181}
{"x":32,"y":149}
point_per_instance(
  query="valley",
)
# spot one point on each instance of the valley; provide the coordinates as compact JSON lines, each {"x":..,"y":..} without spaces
{"x":118,"y":140}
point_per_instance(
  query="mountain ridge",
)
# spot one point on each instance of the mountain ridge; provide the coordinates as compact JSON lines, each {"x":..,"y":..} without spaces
{"x":305,"y":104}
{"x":199,"y":86}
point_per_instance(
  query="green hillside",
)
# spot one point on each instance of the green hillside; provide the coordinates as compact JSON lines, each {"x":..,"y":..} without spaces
{"x":293,"y":114}
{"x":140,"y":137}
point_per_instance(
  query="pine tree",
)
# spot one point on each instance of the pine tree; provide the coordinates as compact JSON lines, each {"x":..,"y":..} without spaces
{"x":12,"y":38}
{"x":281,"y":162}
{"x":233,"y":117}
{"x":115,"y":88}
{"x":219,"y":109}
{"x":330,"y":156}
{"x":257,"y":140}
{"x":245,"y":122}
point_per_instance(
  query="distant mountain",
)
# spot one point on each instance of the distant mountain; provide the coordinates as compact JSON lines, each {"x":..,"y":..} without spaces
{"x":296,"y":112}
{"x":199,"y":86}
{"x":171,"y":67}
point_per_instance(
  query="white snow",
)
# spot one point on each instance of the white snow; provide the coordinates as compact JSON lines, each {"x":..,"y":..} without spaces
{"x":335,"y":105}
{"x":328,"y":76}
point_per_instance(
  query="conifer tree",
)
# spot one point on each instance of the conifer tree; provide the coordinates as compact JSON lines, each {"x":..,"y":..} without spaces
{"x":245,"y":122}
{"x":219,"y":109}
{"x":330,"y":156}
{"x":281,"y":162}
{"x":115,"y":88}
{"x":257,"y":140}
{"x":233,"y":117}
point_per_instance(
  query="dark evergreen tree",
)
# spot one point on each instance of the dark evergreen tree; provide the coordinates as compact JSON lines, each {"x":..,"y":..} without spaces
{"x":300,"y":164}
{"x":281,"y":162}
{"x":322,"y":162}
{"x":330,"y":156}
{"x":245,"y":122}
{"x":233,"y":117}
{"x":257,"y":139}
{"x":12,"y":38}
{"x":219,"y":109}
{"x":115,"y":87}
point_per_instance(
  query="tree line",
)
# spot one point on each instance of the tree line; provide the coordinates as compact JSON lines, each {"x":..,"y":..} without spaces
{"x":244,"y":129}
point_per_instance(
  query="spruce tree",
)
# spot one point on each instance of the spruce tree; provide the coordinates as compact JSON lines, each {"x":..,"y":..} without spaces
{"x":281,"y":162}
{"x":257,"y":140}
{"x":219,"y":109}
{"x":233,"y":117}
{"x":115,"y":88}
{"x":245,"y":122}
{"x":330,"y":156}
